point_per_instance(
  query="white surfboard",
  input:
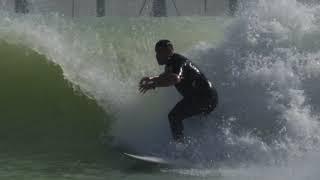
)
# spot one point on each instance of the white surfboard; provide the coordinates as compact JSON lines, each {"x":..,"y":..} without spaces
{"x":158,"y":160}
{"x":152,"y":159}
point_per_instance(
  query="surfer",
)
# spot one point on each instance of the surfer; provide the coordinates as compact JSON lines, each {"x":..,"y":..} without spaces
{"x":199,"y":96}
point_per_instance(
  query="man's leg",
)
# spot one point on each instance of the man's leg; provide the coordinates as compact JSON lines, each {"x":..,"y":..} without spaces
{"x":183,"y":109}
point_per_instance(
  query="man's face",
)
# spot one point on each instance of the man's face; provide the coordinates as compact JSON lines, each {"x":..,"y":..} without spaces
{"x":163,"y":54}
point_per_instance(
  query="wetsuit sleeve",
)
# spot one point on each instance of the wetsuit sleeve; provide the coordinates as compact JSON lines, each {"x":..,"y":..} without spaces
{"x":177,"y":68}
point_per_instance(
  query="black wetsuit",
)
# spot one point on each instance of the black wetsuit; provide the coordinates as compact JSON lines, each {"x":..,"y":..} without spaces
{"x":199,"y":96}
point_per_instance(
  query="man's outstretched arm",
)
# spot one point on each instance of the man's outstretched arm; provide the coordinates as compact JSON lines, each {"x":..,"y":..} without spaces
{"x":163,"y":80}
{"x":166,"y":79}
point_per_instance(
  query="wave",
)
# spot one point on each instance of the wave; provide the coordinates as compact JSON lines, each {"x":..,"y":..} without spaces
{"x":102,"y":61}
{"x":264,"y":63}
{"x":41,"y":112}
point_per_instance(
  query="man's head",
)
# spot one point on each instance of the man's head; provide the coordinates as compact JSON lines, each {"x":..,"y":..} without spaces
{"x":164,"y":49}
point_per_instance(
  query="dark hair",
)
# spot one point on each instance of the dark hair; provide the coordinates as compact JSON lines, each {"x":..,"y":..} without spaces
{"x":164,"y":43}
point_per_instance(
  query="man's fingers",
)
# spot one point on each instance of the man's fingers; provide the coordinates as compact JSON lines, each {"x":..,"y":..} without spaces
{"x":142,"y":86}
{"x":143,"y":90}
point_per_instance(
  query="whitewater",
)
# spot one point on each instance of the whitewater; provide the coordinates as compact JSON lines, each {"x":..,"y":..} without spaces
{"x":69,"y":94}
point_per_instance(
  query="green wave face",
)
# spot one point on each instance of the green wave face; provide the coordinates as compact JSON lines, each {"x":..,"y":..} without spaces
{"x":40,"y":110}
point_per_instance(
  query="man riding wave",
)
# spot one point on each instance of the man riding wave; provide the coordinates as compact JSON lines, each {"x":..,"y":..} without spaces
{"x":199,"y":96}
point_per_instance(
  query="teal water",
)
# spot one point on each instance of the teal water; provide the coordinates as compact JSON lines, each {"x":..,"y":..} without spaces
{"x":69,"y":95}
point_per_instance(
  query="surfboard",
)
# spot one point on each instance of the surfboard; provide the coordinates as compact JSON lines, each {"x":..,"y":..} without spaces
{"x":150,"y":159}
{"x":160,"y":160}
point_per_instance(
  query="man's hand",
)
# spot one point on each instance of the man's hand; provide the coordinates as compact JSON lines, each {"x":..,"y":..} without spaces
{"x":145,"y":80}
{"x":164,"y":80}
{"x":146,"y":84}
